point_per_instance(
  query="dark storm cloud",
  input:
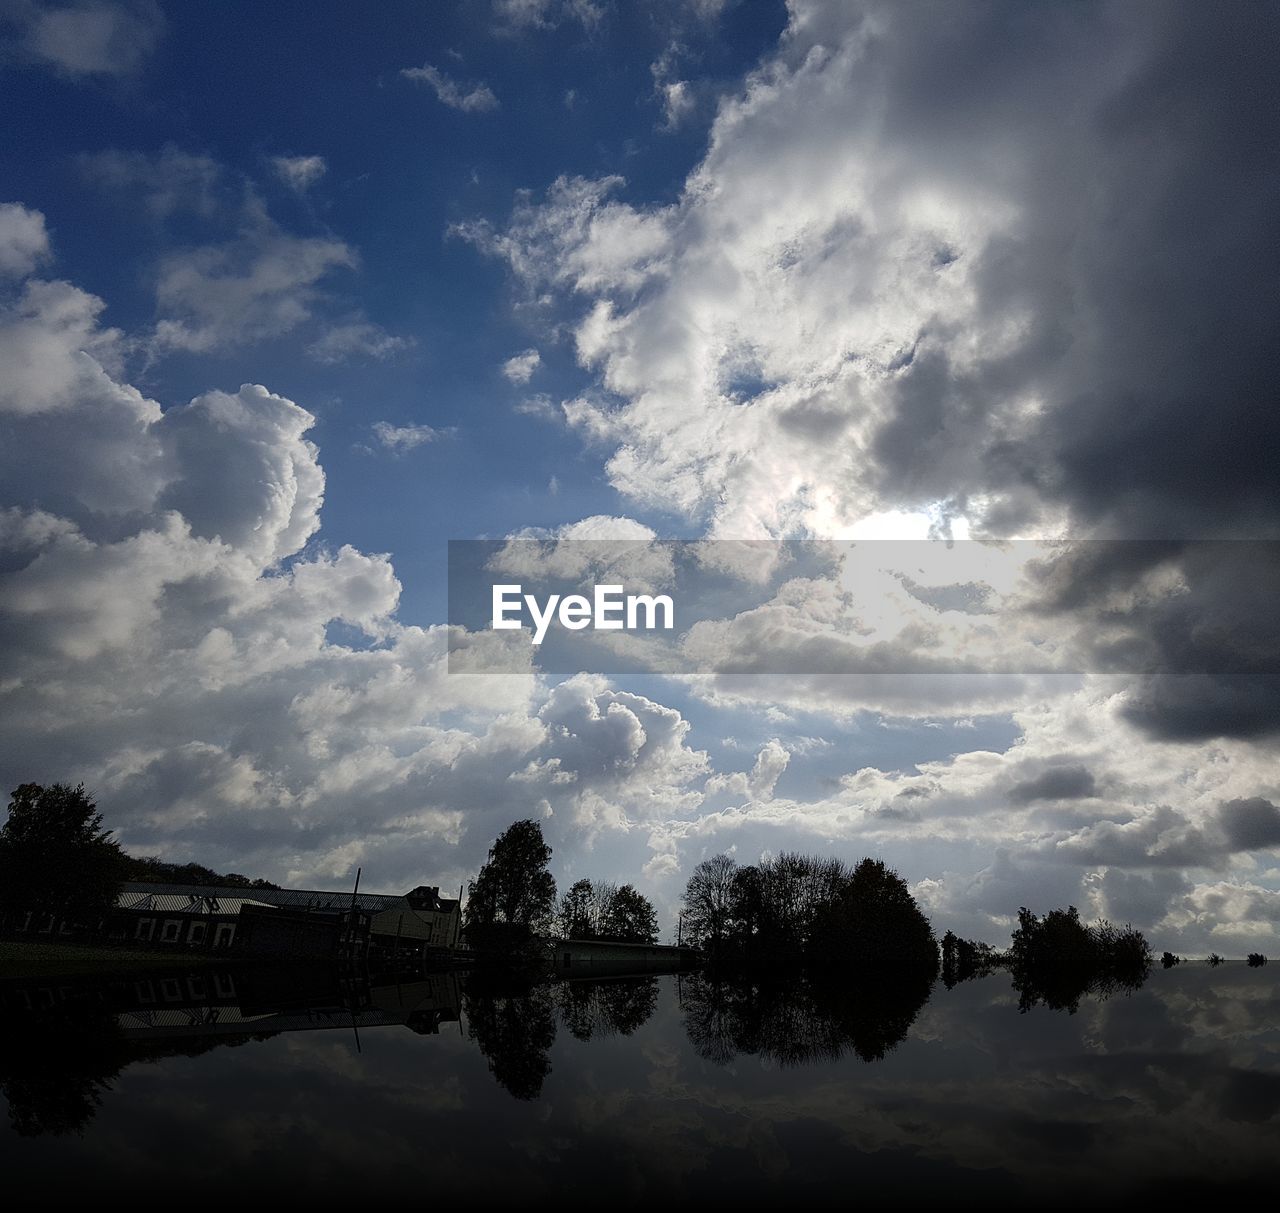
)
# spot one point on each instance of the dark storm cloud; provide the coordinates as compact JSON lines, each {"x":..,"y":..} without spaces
{"x":1144,"y":260}
{"x":1057,"y":783}
{"x":1196,"y":619}
{"x":1250,"y":825}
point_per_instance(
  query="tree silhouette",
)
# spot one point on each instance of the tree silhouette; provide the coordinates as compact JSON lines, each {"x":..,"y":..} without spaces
{"x":1057,"y":959}
{"x":55,"y":857}
{"x":574,"y":919}
{"x":514,"y":1027}
{"x":629,"y":917}
{"x":513,"y":895}
{"x":617,"y":1006}
{"x":708,"y":899}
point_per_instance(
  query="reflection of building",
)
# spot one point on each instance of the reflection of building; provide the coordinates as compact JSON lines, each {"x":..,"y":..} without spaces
{"x":606,"y":957}
{"x":231,"y":1003}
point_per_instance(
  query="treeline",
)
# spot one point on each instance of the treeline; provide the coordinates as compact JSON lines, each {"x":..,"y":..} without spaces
{"x":795,"y":910}
{"x":512,"y":900}
{"x":603,"y":911}
{"x":57,"y":858}
{"x":1055,"y":960}
{"x":160,"y":871}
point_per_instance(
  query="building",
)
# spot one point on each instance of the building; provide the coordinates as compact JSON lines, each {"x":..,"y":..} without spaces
{"x":300,"y":922}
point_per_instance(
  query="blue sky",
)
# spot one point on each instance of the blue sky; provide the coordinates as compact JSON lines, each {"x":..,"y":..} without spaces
{"x":241,"y":84}
{"x":693,"y":269}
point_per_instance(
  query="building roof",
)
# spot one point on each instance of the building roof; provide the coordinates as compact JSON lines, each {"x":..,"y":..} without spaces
{"x":300,"y":899}
{"x":187,"y":902}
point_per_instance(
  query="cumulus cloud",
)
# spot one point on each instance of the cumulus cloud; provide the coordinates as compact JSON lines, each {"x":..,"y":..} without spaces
{"x":167,"y":636}
{"x":853,"y":304}
{"x":470,"y":99}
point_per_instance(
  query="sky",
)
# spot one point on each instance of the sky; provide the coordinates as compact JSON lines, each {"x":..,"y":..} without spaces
{"x":293,"y":295}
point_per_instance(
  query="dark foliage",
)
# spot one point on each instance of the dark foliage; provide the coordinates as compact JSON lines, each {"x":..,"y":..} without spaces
{"x":963,"y":959}
{"x":801,"y":1018}
{"x":159,"y":871}
{"x":1168,"y":960}
{"x":1256,"y":960}
{"x":1056,"y":960}
{"x":514,"y":891}
{"x":800,"y":910}
{"x":55,"y":1068}
{"x":606,"y":1008}
{"x":55,"y":857}
{"x":1214,"y":960}
{"x":513,"y":1024}
{"x":604,"y":911}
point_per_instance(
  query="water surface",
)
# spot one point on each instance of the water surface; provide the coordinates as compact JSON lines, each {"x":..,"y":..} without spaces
{"x":215,"y":1086}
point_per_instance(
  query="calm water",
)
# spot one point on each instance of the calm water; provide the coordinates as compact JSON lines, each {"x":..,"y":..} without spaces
{"x":657,"y":1089}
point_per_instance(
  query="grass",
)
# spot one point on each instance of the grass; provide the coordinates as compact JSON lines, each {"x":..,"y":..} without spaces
{"x":72,"y":960}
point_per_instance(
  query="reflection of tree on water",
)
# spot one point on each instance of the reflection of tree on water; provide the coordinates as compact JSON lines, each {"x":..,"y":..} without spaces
{"x":57,"y":1062}
{"x":513,"y":1025}
{"x":54,"y":1069}
{"x":606,"y":1008}
{"x":513,"y":1022}
{"x":801,"y":1018}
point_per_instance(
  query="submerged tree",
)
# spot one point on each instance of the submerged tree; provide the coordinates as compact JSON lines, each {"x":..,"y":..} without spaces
{"x":55,"y":857}
{"x":795,"y":910}
{"x":965,"y":959}
{"x":514,"y":893}
{"x":1057,"y":959}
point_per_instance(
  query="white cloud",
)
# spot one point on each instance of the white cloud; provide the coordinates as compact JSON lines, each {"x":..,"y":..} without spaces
{"x":92,"y":38}
{"x":169,"y":182}
{"x":357,"y":338}
{"x":258,"y":286}
{"x":402,"y":438}
{"x":24,"y":240}
{"x":519,"y":15}
{"x":675,"y":95}
{"x":470,"y":99}
{"x":299,"y":172}
{"x":520,"y":367}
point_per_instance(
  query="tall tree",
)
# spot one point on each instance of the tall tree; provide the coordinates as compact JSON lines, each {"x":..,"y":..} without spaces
{"x":629,"y":917}
{"x":708,"y":901}
{"x":574,"y":918}
{"x":515,"y":887}
{"x":55,"y":857}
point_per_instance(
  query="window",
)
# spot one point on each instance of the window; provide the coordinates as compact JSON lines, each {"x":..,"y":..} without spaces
{"x":225,"y":935}
{"x":146,"y":928}
{"x":170,"y":990}
{"x":171,"y":931}
{"x":198,"y":932}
